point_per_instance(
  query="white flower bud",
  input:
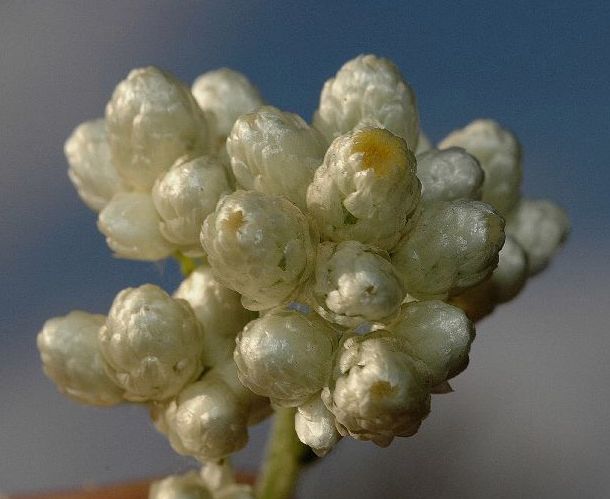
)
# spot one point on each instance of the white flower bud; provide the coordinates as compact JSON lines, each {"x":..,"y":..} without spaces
{"x":378,"y":394}
{"x":187,"y":486}
{"x":91,"y":170}
{"x":366,"y":189}
{"x":218,"y":309}
{"x":260,"y":246}
{"x":437,"y":334}
{"x":208,"y":419}
{"x":452,"y":247}
{"x":423,"y":143}
{"x":130,"y":223}
{"x":71,"y":358}
{"x":503,"y":285}
{"x":276,"y":153}
{"x":152,"y":120}
{"x":315,"y":426}
{"x":448,"y":175}
{"x":224,"y":95}
{"x":355,"y":283}
{"x":540,"y":227}
{"x":152,"y":343}
{"x":220,"y":479}
{"x":285,"y":355}
{"x":368,"y":87}
{"x":499,"y":154}
{"x":185,"y":195}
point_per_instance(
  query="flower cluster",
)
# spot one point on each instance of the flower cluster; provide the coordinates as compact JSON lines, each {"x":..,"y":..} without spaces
{"x":342,"y":262}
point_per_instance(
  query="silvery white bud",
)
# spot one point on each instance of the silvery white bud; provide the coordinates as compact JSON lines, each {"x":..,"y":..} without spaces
{"x":130,"y":223}
{"x":499,"y":154}
{"x":437,"y":334}
{"x":315,"y":426}
{"x":224,"y":95}
{"x":186,"y":194}
{"x":91,"y":170}
{"x":368,"y":87}
{"x":260,"y":246}
{"x":285,"y":355}
{"x":423,"y":143}
{"x":453,"y":246}
{"x":503,"y":285}
{"x":448,"y":175}
{"x":220,"y":479}
{"x":208,"y":419}
{"x":152,"y":119}
{"x":540,"y":227}
{"x":366,"y":189}
{"x":218,"y":309}
{"x":355,"y":283}
{"x":378,"y":394}
{"x":187,"y":486}
{"x":152,"y":343}
{"x":71,"y":358}
{"x":276,"y":153}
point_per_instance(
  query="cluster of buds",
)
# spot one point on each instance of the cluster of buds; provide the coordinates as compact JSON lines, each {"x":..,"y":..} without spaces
{"x":342,"y":262}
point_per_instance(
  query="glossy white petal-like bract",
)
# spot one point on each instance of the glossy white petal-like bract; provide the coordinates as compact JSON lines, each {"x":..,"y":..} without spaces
{"x":368,"y":88}
{"x":499,"y":154}
{"x":152,"y":343}
{"x":152,"y":120}
{"x":276,"y":153}
{"x":71,"y":358}
{"x":366,"y":189}
{"x":453,"y":246}
{"x":186,"y":194}
{"x":130,"y":223}
{"x":260,"y":246}
{"x":187,"y":486}
{"x":91,"y":169}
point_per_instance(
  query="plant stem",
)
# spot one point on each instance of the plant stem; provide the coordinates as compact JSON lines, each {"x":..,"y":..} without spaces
{"x":187,"y":265}
{"x":283,"y":455}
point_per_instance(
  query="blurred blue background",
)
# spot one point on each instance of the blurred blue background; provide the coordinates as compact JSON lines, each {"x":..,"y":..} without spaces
{"x":529,"y":418}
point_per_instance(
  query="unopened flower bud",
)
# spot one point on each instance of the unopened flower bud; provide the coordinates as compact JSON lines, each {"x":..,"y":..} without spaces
{"x":130,"y":223}
{"x":315,"y":426}
{"x":224,"y":95}
{"x":187,"y":486}
{"x":366,"y":189}
{"x":276,"y":153}
{"x":218,"y":309}
{"x":368,"y":87}
{"x":186,"y":194}
{"x":152,"y":343}
{"x":152,"y":120}
{"x":540,"y":227}
{"x":448,"y":175}
{"x":355,"y":283}
{"x":453,"y":246}
{"x":260,"y":246}
{"x":91,"y":170}
{"x":285,"y":355}
{"x":378,"y":394}
{"x":71,"y":358}
{"x":499,"y":154}
{"x":437,"y":334}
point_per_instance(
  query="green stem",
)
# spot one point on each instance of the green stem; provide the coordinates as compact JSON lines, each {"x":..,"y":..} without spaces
{"x":187,"y":265}
{"x":283,"y":458}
